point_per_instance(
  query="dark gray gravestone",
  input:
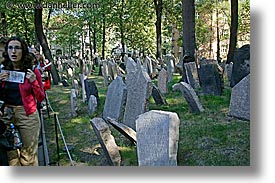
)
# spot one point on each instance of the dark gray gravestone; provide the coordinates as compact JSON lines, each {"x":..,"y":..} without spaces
{"x":91,"y":89}
{"x":139,"y":89}
{"x":115,"y":100}
{"x":157,"y":138}
{"x":106,"y":141}
{"x":210,"y":79}
{"x":124,"y":130}
{"x":158,"y":96}
{"x":190,"y":96}
{"x":241,"y":64}
{"x":240,"y":99}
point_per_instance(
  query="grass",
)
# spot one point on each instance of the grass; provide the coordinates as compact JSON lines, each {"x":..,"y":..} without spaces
{"x":210,"y":138}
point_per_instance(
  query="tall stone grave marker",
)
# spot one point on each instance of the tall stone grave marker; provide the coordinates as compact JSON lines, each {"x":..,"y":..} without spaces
{"x":240,"y":99}
{"x":157,"y":138}
{"x":82,"y":78}
{"x":163,"y":81}
{"x":115,"y":100}
{"x":139,"y":89}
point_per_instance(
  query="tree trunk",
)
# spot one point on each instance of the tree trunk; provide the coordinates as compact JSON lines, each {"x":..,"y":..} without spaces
{"x":158,"y":8}
{"x":94,"y":36}
{"x":43,"y":42}
{"x":233,"y":31}
{"x":104,"y":37}
{"x":188,"y":10}
{"x":188,"y":19}
{"x":218,"y":33}
{"x":122,"y":30}
{"x":4,"y":24}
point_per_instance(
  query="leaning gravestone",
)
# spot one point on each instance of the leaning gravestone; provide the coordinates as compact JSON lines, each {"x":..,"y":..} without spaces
{"x":130,"y":65}
{"x":190,"y":96}
{"x":209,"y":78}
{"x":139,"y":89}
{"x":115,"y":100}
{"x":240,"y":99}
{"x":163,"y":81}
{"x":92,"y":105}
{"x":158,"y":96}
{"x":123,"y":129}
{"x":91,"y":89}
{"x":106,"y":141}
{"x":157,"y":138}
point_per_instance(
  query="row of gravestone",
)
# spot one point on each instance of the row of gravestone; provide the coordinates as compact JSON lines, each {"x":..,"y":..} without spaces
{"x":126,"y":107}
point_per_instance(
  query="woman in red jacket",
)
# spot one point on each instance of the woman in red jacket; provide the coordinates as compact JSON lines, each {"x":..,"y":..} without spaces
{"x":20,"y":100}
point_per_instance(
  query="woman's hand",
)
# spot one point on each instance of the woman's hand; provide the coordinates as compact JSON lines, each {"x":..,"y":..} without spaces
{"x":31,"y":75}
{"x":4,"y":76}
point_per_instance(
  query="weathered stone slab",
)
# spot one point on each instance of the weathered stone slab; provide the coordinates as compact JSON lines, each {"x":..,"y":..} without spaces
{"x":115,"y":100}
{"x":73,"y":100}
{"x":124,"y":130}
{"x":190,"y":96}
{"x":209,"y":78}
{"x":240,"y":99}
{"x":82,"y":78}
{"x":106,"y":141}
{"x":91,"y":89}
{"x":157,"y":138}
{"x":192,"y":74}
{"x":139,"y":89}
{"x":92,"y":105}
{"x":163,"y":81}
{"x":158,"y":96}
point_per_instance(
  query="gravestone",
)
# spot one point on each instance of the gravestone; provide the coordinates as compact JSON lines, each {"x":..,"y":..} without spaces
{"x":209,"y":78}
{"x":106,"y":141}
{"x":115,"y":100}
{"x":139,"y":89}
{"x":163,"y":81}
{"x":75,"y":85}
{"x":105,"y":72}
{"x":158,"y":96}
{"x":148,"y":65}
{"x":92,"y":105}
{"x":157,"y":138}
{"x":170,"y":67}
{"x":82,"y":78}
{"x":190,"y":96}
{"x":73,"y":100}
{"x":91,"y":89}
{"x":241,"y":64}
{"x":123,"y":129}
{"x":192,"y":74}
{"x":240,"y":99}
{"x":130,"y":65}
{"x":228,"y":70}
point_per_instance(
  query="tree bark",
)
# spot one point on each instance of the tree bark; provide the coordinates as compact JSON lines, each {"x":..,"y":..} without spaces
{"x":43,"y":42}
{"x":189,"y":41}
{"x":4,"y":24}
{"x":158,"y":8}
{"x":233,"y":31}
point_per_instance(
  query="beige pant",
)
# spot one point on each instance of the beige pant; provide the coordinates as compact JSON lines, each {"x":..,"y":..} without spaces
{"x":29,"y":129}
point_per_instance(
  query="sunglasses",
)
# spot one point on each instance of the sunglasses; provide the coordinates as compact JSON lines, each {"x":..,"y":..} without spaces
{"x":14,"y":47}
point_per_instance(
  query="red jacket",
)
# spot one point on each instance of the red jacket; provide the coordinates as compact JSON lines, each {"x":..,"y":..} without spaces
{"x":30,"y":92}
